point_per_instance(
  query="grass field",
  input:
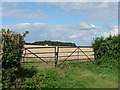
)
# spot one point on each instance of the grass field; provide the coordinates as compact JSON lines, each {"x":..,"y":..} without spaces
{"x":63,"y":53}
{"x":71,"y":74}
{"x":74,"y":75}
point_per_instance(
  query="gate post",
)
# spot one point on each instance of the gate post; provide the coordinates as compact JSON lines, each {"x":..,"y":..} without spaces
{"x":78,"y":54}
{"x":23,"y":57}
{"x":56,"y":55}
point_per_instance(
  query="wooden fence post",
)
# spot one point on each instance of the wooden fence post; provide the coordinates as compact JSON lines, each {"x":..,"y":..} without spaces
{"x":23,"y":58}
{"x":78,"y":53}
{"x":56,"y":55}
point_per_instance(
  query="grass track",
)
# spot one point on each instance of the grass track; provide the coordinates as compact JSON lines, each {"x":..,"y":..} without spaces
{"x":76,"y":75}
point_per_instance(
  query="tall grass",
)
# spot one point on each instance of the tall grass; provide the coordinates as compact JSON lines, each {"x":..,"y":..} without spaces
{"x":76,"y":75}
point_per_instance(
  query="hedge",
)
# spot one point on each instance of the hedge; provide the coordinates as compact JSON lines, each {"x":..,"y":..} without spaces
{"x":107,"y":50}
{"x":12,"y":44}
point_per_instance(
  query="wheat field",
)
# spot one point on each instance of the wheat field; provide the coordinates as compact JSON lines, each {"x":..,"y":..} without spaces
{"x":47,"y":53}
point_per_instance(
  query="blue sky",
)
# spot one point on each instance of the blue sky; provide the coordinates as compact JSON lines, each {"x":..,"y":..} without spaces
{"x":77,"y":22}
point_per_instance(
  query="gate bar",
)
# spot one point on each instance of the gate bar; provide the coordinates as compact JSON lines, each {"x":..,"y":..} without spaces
{"x":36,"y":56}
{"x":68,"y":56}
{"x":86,"y":55}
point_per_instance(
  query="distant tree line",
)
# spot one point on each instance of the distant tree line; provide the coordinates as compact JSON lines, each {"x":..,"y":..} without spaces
{"x":52,"y":43}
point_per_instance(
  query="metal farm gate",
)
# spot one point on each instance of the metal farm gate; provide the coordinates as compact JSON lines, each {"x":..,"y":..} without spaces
{"x":57,"y":54}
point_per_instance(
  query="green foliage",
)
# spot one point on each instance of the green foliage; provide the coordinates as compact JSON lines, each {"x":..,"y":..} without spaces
{"x":13,"y":77}
{"x":12,"y":47}
{"x":107,"y":50}
{"x":35,"y":81}
{"x":52,"y":43}
{"x":25,"y":33}
{"x":85,"y":75}
{"x":76,"y":75}
{"x":6,"y":79}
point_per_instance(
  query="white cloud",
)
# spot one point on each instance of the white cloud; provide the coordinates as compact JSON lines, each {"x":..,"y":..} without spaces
{"x":0,"y":13}
{"x":24,"y":13}
{"x":43,"y":31}
{"x":73,"y":37}
{"x":60,"y":1}
{"x":10,"y":4}
{"x":56,"y":32}
{"x":95,"y":11}
{"x":92,"y":25}
{"x":83,"y":26}
{"x":113,"y":31}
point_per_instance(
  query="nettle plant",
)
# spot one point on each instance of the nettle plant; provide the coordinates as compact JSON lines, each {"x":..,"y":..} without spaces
{"x":12,"y":45}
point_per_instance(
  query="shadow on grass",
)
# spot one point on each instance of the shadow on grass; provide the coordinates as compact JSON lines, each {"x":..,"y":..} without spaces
{"x":14,"y":78}
{"x":25,"y":72}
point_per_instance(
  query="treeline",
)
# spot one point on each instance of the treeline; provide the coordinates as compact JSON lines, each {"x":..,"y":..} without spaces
{"x":52,"y":43}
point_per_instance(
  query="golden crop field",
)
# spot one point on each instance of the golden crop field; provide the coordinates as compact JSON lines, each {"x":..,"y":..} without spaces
{"x":47,"y":53}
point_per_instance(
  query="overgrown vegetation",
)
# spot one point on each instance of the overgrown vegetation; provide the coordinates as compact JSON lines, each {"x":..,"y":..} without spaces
{"x":12,"y":44}
{"x":75,"y":75}
{"x":12,"y":47}
{"x":102,"y":74}
{"x":52,"y":43}
{"x":107,"y":51}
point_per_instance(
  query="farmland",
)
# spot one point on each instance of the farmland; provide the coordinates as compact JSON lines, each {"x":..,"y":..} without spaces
{"x":48,"y":53}
{"x":103,"y":73}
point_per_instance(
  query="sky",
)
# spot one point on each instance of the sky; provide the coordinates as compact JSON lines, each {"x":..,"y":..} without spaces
{"x":77,"y":22}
